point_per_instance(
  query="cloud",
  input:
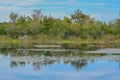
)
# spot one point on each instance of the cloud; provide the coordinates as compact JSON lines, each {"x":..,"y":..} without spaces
{"x":105,"y":17}
{"x":20,"y":2}
{"x":90,"y":4}
{"x":55,"y":7}
{"x":33,"y":2}
{"x":115,"y":0}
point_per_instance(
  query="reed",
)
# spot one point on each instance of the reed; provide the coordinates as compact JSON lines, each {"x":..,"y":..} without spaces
{"x":45,"y":39}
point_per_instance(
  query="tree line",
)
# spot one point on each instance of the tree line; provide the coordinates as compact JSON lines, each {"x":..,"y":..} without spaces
{"x":78,"y":25}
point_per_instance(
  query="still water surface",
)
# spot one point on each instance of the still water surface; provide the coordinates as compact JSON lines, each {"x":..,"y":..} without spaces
{"x":26,"y":64}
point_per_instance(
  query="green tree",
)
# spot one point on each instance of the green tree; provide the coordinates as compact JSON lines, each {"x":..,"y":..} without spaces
{"x":79,"y":17}
{"x":13,"y":17}
{"x":37,"y":15}
{"x":21,"y":25}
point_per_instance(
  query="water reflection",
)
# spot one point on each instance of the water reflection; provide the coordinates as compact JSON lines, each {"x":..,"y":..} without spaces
{"x":69,"y":62}
{"x":78,"y":64}
{"x":37,"y":59}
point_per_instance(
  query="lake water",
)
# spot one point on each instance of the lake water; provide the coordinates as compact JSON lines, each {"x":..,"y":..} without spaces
{"x":67,"y":63}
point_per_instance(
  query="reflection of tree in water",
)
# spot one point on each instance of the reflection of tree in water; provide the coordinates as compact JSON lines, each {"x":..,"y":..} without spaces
{"x":22,"y":64}
{"x":78,"y":64}
{"x":47,"y":58}
{"x":92,"y":61}
{"x":36,"y":66}
{"x":13,"y":64}
{"x":75,"y":46}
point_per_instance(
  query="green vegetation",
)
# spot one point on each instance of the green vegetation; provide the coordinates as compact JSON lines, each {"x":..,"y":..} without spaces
{"x":40,"y":28}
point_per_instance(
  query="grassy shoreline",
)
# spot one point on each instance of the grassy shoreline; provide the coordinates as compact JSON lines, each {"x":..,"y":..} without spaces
{"x":57,"y":41}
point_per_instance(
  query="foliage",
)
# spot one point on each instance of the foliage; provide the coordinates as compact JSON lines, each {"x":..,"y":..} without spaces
{"x":78,"y":26}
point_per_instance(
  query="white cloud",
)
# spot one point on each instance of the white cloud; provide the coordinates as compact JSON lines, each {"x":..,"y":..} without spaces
{"x":115,"y":0}
{"x":20,"y":2}
{"x":53,"y":7}
{"x":32,"y":2}
{"x":7,"y":8}
{"x":90,"y":4}
{"x":25,"y":6}
{"x":104,"y":16}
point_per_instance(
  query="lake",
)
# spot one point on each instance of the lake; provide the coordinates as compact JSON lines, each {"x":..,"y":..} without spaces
{"x":64,"y":62}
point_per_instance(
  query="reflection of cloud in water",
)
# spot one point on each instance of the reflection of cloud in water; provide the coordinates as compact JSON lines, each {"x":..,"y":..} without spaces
{"x":34,"y":65}
{"x":84,"y":75}
{"x":40,"y":59}
{"x":105,"y":51}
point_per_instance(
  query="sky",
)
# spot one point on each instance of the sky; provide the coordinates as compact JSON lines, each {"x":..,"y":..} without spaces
{"x":103,"y":10}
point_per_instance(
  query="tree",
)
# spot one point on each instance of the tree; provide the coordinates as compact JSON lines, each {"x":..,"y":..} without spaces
{"x":37,"y":15}
{"x":13,"y":17}
{"x":21,"y":25}
{"x":12,"y":26}
{"x":79,"y":17}
{"x":21,"y":20}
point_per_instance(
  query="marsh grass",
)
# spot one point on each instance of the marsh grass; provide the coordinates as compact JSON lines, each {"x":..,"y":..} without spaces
{"x":45,"y":39}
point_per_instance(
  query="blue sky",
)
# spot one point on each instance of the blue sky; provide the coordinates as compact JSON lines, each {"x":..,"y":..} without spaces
{"x":104,"y":10}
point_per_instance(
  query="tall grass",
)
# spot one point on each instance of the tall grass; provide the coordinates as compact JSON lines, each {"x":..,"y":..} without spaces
{"x":45,"y":39}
